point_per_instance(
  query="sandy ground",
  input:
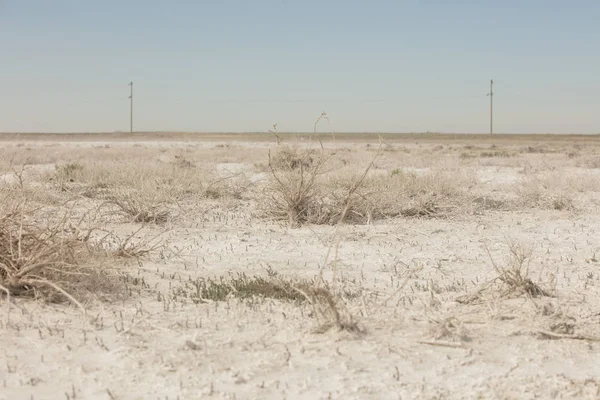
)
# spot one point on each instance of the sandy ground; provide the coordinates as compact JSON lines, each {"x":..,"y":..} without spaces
{"x":417,"y":340}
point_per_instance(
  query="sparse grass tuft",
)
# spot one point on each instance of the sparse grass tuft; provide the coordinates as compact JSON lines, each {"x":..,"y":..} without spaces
{"x":486,"y":154}
{"x":497,"y":153}
{"x":243,"y":287}
{"x":327,"y":306}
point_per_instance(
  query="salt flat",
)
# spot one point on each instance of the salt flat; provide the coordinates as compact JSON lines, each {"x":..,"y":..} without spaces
{"x":418,"y":271}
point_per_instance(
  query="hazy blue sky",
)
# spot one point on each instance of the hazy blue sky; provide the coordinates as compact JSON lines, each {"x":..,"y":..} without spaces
{"x":219,"y":65}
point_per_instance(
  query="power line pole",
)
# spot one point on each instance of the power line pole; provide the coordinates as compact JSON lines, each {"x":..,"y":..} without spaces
{"x":491,"y":94}
{"x":131,"y":107}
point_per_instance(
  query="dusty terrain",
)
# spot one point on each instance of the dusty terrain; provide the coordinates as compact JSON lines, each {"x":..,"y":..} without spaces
{"x":463,"y":267}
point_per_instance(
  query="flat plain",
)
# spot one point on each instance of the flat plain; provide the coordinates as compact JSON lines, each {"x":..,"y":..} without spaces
{"x":349,"y":266}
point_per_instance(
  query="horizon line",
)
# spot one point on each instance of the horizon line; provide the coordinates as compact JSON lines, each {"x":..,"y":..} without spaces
{"x":126,"y":133}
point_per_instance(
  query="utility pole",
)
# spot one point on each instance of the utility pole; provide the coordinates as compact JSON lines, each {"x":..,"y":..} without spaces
{"x":491,"y":94}
{"x":131,"y":107}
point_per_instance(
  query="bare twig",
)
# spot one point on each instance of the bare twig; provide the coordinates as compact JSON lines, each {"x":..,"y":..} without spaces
{"x":323,"y":116}
{"x":348,"y":200}
{"x":58,"y":289}
{"x":553,"y":335}
{"x":442,"y":344}
{"x":5,"y":290}
{"x":276,"y":133}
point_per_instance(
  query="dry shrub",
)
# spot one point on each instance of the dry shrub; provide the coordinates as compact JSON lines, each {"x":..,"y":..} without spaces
{"x":330,"y":309}
{"x":515,"y":275}
{"x":141,"y":206}
{"x":65,"y":173}
{"x":305,"y":191}
{"x":167,"y":183}
{"x":297,"y":193}
{"x":450,"y":329}
{"x":292,"y":158}
{"x":149,"y":193}
{"x":331,"y":204}
{"x":592,"y":162}
{"x":319,"y":196}
{"x":393,"y":149}
{"x":295,"y":184}
{"x":233,"y":187}
{"x":337,"y":200}
{"x":88,"y":180}
{"x":536,"y":150}
{"x":183,"y":163}
{"x":488,"y":203}
{"x":408,"y":194}
{"x":132,"y":245}
{"x":100,"y":179}
{"x":316,"y":199}
{"x":512,"y":278}
{"x":433,"y":194}
{"x":51,"y":260}
{"x":545,"y":193}
{"x":75,"y":178}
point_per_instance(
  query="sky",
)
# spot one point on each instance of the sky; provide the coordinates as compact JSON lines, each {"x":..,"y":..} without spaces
{"x":242,"y":66}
